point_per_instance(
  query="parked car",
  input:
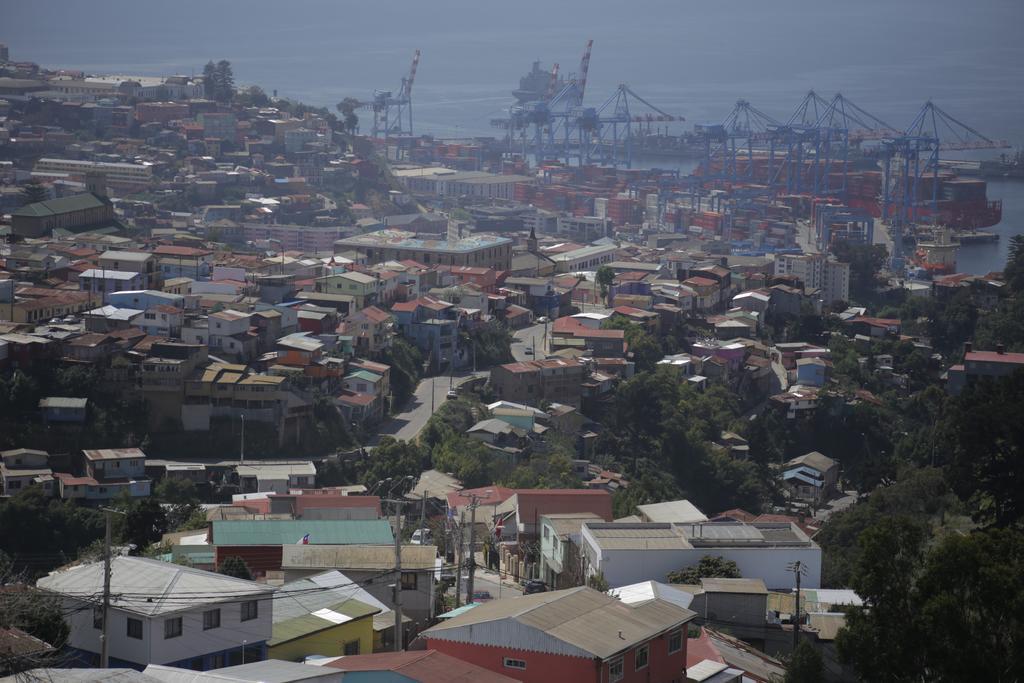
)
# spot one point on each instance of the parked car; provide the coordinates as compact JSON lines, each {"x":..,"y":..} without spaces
{"x":482,"y":596}
{"x":452,"y":394}
{"x":534,"y":586}
{"x":421,"y":537}
{"x":542,"y":320}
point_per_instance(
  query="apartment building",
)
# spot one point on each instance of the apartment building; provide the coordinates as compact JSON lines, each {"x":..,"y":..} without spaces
{"x":817,"y":271}
{"x":530,"y":382}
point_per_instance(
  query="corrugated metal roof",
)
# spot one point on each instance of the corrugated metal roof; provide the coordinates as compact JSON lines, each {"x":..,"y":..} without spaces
{"x":150,"y":587}
{"x":287,"y":532}
{"x":747,"y":586}
{"x":672,"y":511}
{"x":357,"y":557}
{"x":324,"y":618}
{"x":579,"y":621}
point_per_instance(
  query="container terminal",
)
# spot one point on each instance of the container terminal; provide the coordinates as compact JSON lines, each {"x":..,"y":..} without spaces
{"x":827,"y":171}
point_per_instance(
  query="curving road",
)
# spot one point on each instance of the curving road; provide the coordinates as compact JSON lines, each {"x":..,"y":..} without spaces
{"x":407,"y":424}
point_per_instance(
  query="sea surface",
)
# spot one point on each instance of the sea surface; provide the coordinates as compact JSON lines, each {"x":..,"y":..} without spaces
{"x":688,"y":58}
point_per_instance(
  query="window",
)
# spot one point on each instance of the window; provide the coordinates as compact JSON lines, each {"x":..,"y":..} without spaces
{"x":250,"y":610}
{"x":211,"y":619}
{"x":642,"y":654}
{"x":615,"y":670}
{"x":408,"y":581}
{"x":172,"y":628}
{"x":515,"y":664}
{"x":352,"y":647}
{"x":675,"y":641}
{"x":97,"y":617}
{"x":135,"y":628}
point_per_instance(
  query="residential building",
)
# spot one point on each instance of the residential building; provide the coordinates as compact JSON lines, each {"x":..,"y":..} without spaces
{"x":161,"y":321}
{"x":561,"y":565}
{"x":24,"y":467}
{"x":981,"y":366}
{"x":811,"y":477}
{"x":365,"y":289}
{"x":370,"y":329}
{"x":174,"y":262}
{"x":119,"y":176}
{"x":577,"y":634}
{"x":276,"y":478}
{"x":432,"y":326}
{"x":228,"y":333}
{"x":308,"y":239}
{"x":111,"y":471}
{"x":628,"y":552}
{"x":397,"y":245}
{"x":163,"y":613}
{"x":817,"y":271}
{"x":102,"y":283}
{"x":531,"y":382}
{"x":261,"y":543}
{"x":369,"y":566}
{"x":333,"y":628}
{"x":585,"y":258}
{"x":221,"y":125}
{"x":671,"y":512}
{"x":584,"y":229}
{"x":143,"y":263}
{"x":63,"y":409}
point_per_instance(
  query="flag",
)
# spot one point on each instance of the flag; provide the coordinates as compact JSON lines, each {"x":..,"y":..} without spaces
{"x":304,"y":540}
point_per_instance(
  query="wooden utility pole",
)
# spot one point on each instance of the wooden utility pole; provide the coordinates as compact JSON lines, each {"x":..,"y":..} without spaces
{"x":472,"y":550}
{"x":797,"y":568}
{"x":105,"y":634}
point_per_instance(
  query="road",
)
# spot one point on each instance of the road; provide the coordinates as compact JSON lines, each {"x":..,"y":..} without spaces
{"x":529,"y":337}
{"x":407,"y":424}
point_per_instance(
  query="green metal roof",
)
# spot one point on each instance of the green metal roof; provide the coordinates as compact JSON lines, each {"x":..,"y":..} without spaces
{"x":289,"y":532}
{"x":364,"y":375}
{"x":52,"y":207}
{"x":299,"y":627}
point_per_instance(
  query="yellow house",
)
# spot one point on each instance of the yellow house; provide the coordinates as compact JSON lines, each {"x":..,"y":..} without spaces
{"x":345,"y":628}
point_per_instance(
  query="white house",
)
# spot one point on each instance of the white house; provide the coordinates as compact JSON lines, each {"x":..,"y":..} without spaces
{"x":628,"y":553}
{"x":276,"y":478}
{"x":163,"y":613}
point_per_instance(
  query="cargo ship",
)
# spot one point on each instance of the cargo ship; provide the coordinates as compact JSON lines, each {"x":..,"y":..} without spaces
{"x":534,"y":85}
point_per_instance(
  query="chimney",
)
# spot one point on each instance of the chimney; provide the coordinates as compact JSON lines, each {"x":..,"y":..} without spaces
{"x":967,"y":347}
{"x":1000,"y":349}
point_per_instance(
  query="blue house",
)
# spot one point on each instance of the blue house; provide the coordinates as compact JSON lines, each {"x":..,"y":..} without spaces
{"x":63,"y":409}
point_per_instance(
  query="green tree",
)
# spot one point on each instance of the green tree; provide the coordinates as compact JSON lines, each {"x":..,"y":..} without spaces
{"x":347,"y":108}
{"x":709,"y":567}
{"x":176,"y":491}
{"x":406,"y":363}
{"x":144,"y":522}
{"x":224,"y":77}
{"x":393,"y":459}
{"x":985,"y":435}
{"x":235,"y":566}
{"x":605,"y":276}
{"x":883,"y":642}
{"x":23,"y":392}
{"x":805,"y":665}
{"x":598,"y":582}
{"x":210,"y":80}
{"x":34,"y":191}
{"x":253,"y":96}
{"x":1013,"y":272}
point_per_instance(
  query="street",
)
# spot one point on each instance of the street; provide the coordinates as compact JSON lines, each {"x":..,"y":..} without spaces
{"x":529,"y":337}
{"x":407,"y":424}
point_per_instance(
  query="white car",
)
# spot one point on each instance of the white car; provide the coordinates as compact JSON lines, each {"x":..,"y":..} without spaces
{"x":452,"y":394}
{"x":543,"y":320}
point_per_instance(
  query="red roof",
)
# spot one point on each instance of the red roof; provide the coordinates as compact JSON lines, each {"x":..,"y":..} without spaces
{"x":357,"y":399}
{"x":635,"y":312}
{"x":567,"y":324}
{"x":601,"y":334}
{"x":700,"y":282}
{"x":405,"y":306}
{"x":424,"y":666}
{"x":375,"y":314}
{"x":489,"y":495}
{"x":699,"y":649}
{"x":738,"y":514}
{"x":994,"y":357}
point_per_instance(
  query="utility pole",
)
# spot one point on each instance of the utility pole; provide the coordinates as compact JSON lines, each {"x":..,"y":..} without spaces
{"x":105,"y":633}
{"x":458,"y":558}
{"x":423,"y":514}
{"x":398,"y":577}
{"x":471,"y":563}
{"x":797,"y":568}
{"x":241,"y":450}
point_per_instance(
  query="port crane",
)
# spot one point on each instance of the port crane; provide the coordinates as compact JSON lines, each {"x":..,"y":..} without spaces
{"x":605,"y":133}
{"x":392,"y":113}
{"x":730,"y":146}
{"x":913,"y":155}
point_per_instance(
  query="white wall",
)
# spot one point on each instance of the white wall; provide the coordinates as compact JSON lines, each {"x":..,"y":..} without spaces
{"x":625,"y":567}
{"x":154,"y":649}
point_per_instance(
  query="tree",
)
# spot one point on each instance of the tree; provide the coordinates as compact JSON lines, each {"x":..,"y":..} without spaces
{"x":604,"y":277}
{"x":1013,"y":273}
{"x":985,"y":436}
{"x":805,"y":665}
{"x":235,"y":566}
{"x":347,"y":108}
{"x":34,"y":191}
{"x":883,"y":642}
{"x":176,"y":491}
{"x":30,"y":610}
{"x":598,"y":582}
{"x":253,"y":96}
{"x":210,"y":80}
{"x":709,"y":567}
{"x":393,"y":459}
{"x":224,"y":77}
{"x":144,"y":522}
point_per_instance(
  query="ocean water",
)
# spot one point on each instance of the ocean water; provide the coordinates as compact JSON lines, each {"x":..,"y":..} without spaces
{"x":690,"y":59}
